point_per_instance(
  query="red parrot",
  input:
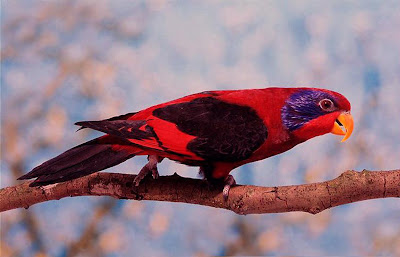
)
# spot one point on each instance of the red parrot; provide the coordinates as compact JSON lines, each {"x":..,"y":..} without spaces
{"x":215,"y":130}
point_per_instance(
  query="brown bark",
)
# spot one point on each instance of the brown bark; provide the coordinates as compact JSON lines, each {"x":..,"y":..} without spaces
{"x":351,"y":186}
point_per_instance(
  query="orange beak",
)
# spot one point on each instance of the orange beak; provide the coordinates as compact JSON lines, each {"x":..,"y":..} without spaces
{"x":343,"y":125}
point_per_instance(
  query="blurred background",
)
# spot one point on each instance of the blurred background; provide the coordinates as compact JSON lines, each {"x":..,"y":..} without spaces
{"x":65,"y":61}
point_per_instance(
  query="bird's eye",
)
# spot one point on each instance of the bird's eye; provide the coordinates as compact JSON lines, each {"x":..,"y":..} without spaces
{"x":326,"y":105}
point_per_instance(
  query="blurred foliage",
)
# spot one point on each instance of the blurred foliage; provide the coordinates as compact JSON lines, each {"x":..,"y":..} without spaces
{"x":63,"y":61}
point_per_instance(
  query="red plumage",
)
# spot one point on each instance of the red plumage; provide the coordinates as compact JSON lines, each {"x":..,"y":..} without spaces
{"x":216,"y":130}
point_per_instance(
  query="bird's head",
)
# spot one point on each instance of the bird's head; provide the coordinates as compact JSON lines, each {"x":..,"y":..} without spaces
{"x":311,"y":112}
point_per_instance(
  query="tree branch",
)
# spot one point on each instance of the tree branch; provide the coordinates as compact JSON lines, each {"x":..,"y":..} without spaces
{"x":351,"y":186}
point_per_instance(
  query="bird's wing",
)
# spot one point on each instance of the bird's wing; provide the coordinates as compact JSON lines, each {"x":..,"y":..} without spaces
{"x":142,"y":134}
{"x":200,"y":127}
{"x":219,"y":131}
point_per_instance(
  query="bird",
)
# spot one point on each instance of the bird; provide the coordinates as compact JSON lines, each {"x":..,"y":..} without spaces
{"x":217,"y":131}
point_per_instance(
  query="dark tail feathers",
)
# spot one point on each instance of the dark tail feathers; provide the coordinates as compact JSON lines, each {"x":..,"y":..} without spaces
{"x":80,"y":161}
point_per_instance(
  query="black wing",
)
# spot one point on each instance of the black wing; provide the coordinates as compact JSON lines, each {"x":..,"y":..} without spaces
{"x":224,"y":132}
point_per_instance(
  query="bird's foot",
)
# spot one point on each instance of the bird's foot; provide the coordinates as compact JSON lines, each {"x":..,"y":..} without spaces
{"x":229,"y":181}
{"x":150,"y":167}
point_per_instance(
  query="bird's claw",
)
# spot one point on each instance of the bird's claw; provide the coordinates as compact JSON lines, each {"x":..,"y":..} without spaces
{"x":150,"y":167}
{"x":154,"y":173}
{"x":144,"y":172}
{"x":229,"y":181}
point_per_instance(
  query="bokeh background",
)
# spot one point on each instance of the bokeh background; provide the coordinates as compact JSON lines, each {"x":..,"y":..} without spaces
{"x":65,"y":61}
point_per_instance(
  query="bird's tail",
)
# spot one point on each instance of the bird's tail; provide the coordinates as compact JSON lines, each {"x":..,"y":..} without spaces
{"x":92,"y":156}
